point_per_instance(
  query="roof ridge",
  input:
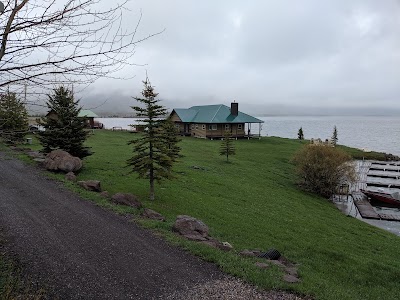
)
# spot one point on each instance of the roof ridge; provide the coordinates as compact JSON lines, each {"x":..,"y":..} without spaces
{"x":216,"y":112}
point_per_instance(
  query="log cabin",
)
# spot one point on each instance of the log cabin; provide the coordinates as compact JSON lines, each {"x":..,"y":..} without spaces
{"x":212,"y":121}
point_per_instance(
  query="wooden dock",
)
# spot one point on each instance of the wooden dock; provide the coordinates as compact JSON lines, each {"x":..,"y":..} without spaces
{"x":383,"y":184}
{"x":385,"y":163}
{"x":391,"y":176}
{"x":364,"y":207}
{"x":384,"y":168}
{"x":367,"y":211}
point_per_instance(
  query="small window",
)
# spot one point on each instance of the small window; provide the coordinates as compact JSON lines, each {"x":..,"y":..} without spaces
{"x":240,"y":127}
{"x":212,"y":127}
{"x":227,"y":127}
{"x":197,"y":126}
{"x":192,"y":126}
{"x":203,"y":127}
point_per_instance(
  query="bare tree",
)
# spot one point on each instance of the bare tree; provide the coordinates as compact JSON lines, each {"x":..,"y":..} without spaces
{"x":48,"y":42}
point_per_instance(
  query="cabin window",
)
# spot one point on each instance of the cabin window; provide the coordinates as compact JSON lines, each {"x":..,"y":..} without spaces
{"x":212,"y":127}
{"x":203,"y":126}
{"x":227,"y":127}
{"x":177,"y":126}
{"x":192,"y":126}
{"x":197,"y":126}
{"x":240,"y":127}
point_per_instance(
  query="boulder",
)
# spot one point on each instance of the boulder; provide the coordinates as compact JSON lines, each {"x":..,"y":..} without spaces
{"x":191,"y":228}
{"x":126,"y":199}
{"x":225,"y":246}
{"x":290,"y":278}
{"x":90,"y":185}
{"x":292,"y":271}
{"x":60,"y":160}
{"x":261,"y":265}
{"x":151,"y":214}
{"x":250,"y":253}
{"x":70,"y":176}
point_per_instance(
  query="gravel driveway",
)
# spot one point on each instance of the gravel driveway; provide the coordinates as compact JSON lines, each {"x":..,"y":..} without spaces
{"x":76,"y":250}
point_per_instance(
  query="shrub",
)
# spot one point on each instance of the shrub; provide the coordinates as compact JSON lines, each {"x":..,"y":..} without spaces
{"x":322,"y":169}
{"x":13,"y":118}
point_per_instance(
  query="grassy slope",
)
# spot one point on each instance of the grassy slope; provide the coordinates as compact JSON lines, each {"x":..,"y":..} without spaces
{"x":253,"y":203}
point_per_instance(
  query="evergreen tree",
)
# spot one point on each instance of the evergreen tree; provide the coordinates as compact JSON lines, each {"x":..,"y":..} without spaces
{"x":156,"y":150}
{"x":227,"y":147}
{"x":334,"y":138}
{"x":13,"y":118}
{"x":63,"y":128}
{"x":300,"y":134}
{"x":170,"y":135}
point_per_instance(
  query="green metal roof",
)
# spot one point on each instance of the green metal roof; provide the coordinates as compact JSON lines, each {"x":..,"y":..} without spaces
{"x":87,"y":113}
{"x":213,"y":114}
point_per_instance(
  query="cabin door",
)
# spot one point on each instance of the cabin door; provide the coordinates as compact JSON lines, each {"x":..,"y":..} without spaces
{"x":187,"y":128}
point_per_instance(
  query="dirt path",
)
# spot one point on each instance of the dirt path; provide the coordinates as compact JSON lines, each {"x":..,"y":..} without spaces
{"x":76,"y":250}
{"x":80,"y":251}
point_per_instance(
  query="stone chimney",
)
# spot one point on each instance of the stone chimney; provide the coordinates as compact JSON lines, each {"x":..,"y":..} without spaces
{"x":234,"y":108}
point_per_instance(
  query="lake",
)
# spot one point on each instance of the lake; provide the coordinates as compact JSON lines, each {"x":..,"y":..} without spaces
{"x":370,"y":132}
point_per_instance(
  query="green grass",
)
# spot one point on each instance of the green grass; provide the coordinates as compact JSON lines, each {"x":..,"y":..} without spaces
{"x":253,"y":202}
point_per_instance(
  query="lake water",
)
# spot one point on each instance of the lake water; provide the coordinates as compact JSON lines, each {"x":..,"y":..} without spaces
{"x":372,"y":132}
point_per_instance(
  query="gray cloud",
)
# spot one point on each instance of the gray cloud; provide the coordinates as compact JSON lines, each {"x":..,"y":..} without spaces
{"x":268,"y":55}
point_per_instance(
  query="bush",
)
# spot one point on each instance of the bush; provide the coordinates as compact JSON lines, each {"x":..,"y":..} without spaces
{"x":322,"y":169}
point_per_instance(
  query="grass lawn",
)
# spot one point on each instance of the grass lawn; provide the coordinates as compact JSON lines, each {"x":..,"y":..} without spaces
{"x":253,"y":203}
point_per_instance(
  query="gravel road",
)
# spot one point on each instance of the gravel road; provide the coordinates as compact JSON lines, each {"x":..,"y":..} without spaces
{"x":76,"y":250}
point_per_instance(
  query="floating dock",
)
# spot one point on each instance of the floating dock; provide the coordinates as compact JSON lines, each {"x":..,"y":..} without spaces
{"x":384,"y":168}
{"x":367,"y":211}
{"x":364,"y":207}
{"x":383,"y":184}
{"x":384,"y":175}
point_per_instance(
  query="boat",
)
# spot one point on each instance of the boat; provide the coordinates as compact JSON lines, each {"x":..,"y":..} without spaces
{"x":382,"y":196}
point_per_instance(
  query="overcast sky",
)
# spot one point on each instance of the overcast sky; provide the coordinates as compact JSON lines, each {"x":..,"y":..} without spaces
{"x":273,"y":57}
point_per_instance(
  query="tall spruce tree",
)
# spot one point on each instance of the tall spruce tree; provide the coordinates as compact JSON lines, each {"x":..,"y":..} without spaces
{"x":63,"y":128}
{"x":171,"y":138}
{"x":334,"y":138}
{"x":155,"y":151}
{"x":13,"y":118}
{"x":227,"y":147}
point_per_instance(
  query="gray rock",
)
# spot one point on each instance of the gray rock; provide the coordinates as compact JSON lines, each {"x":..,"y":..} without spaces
{"x":190,"y":227}
{"x":290,"y":278}
{"x":250,"y":253}
{"x":225,"y":246}
{"x":277,"y":263}
{"x":261,"y":265}
{"x":90,"y":185}
{"x":35,"y":154}
{"x":126,"y":199}
{"x":291,"y":271}
{"x":151,"y":214}
{"x":70,"y":176}
{"x":39,"y":160}
{"x":59,"y":160}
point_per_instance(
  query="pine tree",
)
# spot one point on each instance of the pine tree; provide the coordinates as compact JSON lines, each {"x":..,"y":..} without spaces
{"x":334,"y":138}
{"x":227,"y":147}
{"x":300,"y":134}
{"x":156,"y":150}
{"x":64,"y":129}
{"x":170,"y":135}
{"x":13,"y":118}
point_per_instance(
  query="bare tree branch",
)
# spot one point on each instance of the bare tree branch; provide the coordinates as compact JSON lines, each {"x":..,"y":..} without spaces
{"x":48,"y":42}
